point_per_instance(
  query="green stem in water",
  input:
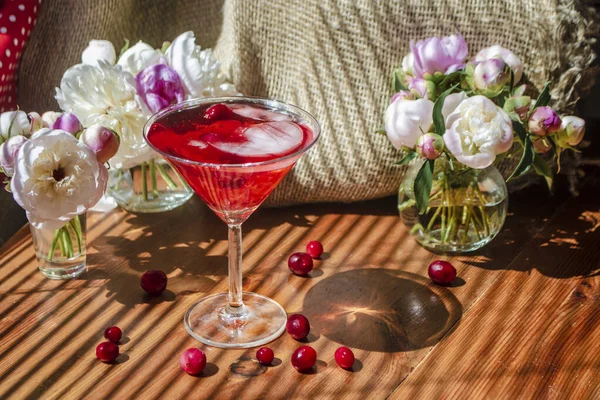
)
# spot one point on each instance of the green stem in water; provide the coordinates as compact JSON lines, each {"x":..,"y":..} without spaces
{"x":119,"y":179}
{"x":144,"y":181}
{"x":76,"y":231}
{"x":164,"y":174}
{"x":53,"y":245}
{"x":153,"y":177}
{"x":433,"y":218}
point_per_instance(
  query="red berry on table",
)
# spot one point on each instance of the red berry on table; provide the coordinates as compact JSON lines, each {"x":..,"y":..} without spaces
{"x":297,"y":326}
{"x":265,"y":356}
{"x":154,"y":282}
{"x":344,"y":357}
{"x":441,"y":272}
{"x":107,"y":351}
{"x":217,"y":111}
{"x":304,"y":358}
{"x":300,"y":263}
{"x":314,"y":248}
{"x":192,"y":361}
{"x":113,"y":334}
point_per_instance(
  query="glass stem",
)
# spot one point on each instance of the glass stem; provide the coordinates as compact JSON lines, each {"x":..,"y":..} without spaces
{"x":235,"y":267}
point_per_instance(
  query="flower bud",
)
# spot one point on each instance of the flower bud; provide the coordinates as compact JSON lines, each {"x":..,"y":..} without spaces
{"x":541,"y":146}
{"x":103,"y":142}
{"x":543,"y":121}
{"x":518,"y":106}
{"x":407,"y":63}
{"x":49,"y":117}
{"x":490,"y":76}
{"x":421,"y":87}
{"x":430,"y":146}
{"x":36,"y":122}
{"x":99,"y":50}
{"x":67,"y":122}
{"x":8,"y":153}
{"x":13,"y":123}
{"x":571,"y":131}
{"x":403,"y":94}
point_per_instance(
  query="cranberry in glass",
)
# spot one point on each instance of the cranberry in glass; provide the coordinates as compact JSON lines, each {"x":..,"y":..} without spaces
{"x":265,"y":356}
{"x":192,"y":361}
{"x":304,"y":358}
{"x":344,"y":357}
{"x":297,"y":326}
{"x":300,"y":263}
{"x":314,"y":248}
{"x":107,"y":351}
{"x":113,"y":334}
{"x":154,"y":282}
{"x":441,"y":272}
{"x":217,"y":111}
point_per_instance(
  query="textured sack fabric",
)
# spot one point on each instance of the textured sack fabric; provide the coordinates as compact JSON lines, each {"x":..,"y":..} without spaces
{"x":330,"y":57}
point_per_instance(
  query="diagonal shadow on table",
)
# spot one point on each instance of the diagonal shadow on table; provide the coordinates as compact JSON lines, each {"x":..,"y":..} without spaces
{"x":377,"y":309}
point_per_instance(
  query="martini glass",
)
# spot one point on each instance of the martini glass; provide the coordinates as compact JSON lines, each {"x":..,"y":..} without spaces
{"x":233,"y":163}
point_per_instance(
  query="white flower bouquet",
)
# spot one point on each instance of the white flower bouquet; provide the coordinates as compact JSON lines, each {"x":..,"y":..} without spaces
{"x":54,"y":174}
{"x":121,"y":93}
{"x":456,"y":117}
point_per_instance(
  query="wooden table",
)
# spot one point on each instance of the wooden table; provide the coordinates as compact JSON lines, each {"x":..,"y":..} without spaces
{"x":522,"y":321}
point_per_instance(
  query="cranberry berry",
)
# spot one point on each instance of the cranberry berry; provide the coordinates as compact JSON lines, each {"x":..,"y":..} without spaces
{"x":154,"y":282}
{"x":217,"y":111}
{"x":107,"y":352}
{"x":298,"y":326}
{"x":192,"y":361}
{"x":304,"y":358}
{"x":441,"y":272}
{"x":113,"y":334}
{"x":344,"y":357}
{"x":314,"y":248}
{"x":265,"y":356}
{"x":300,"y":263}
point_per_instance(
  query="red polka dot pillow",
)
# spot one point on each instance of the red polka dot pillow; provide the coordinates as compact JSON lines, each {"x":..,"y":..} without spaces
{"x":17,"y":18}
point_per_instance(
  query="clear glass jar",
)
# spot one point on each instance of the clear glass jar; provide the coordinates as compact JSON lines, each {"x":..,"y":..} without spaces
{"x":150,"y":187}
{"x":467,"y":207}
{"x":61,"y":253}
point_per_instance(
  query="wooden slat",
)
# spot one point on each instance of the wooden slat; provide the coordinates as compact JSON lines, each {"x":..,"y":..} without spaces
{"x":371,"y":293}
{"x":535,"y":333}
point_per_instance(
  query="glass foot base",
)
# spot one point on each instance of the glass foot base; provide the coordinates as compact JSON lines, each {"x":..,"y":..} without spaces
{"x":260,"y":320}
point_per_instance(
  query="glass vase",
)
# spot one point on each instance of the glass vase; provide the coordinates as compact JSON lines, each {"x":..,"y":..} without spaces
{"x":61,"y":252}
{"x":466,"y":210}
{"x":150,"y":187}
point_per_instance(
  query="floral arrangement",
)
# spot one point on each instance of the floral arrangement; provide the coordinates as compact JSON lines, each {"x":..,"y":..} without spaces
{"x":468,"y":114}
{"x":122,"y":92}
{"x":54,"y":174}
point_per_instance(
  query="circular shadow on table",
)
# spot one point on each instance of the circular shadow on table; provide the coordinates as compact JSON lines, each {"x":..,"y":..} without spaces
{"x":381,"y":310}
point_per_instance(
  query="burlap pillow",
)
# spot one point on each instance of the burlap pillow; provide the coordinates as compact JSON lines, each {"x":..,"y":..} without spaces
{"x":330,"y":57}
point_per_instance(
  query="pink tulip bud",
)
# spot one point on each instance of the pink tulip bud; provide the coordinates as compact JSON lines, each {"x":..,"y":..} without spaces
{"x":103,"y":142}
{"x":68,"y":123}
{"x":543,"y":121}
{"x":430,"y":146}
{"x":541,"y":146}
{"x":571,"y":131}
{"x":8,"y":153}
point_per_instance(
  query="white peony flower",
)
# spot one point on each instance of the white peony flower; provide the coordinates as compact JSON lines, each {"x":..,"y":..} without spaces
{"x":451,"y":102}
{"x":198,"y":69}
{"x":13,"y":123}
{"x":99,"y":50}
{"x":505,"y":55}
{"x":56,"y":178}
{"x":406,"y":120}
{"x":107,"y":96}
{"x":477,"y":131}
{"x":138,"y":57}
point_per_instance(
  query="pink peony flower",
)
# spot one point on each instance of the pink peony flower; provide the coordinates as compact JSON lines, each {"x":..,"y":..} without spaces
{"x":446,"y":55}
{"x":159,"y":86}
{"x":544,"y":120}
{"x":67,"y":122}
{"x":430,"y":146}
{"x":506,"y":55}
{"x":103,"y":142}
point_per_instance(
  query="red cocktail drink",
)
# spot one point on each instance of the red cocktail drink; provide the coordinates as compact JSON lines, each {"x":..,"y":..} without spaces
{"x":233,"y":152}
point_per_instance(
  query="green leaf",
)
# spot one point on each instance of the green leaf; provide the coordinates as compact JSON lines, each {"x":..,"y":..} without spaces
{"x":520,"y":131}
{"x":438,"y":119}
{"x":512,"y":80}
{"x":381,"y":131}
{"x":164,"y":47}
{"x":544,"y":97}
{"x":450,"y":163}
{"x":526,"y":159}
{"x":397,"y":84}
{"x":124,"y":48}
{"x":407,"y":158}
{"x":542,"y":168}
{"x":423,"y":183}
